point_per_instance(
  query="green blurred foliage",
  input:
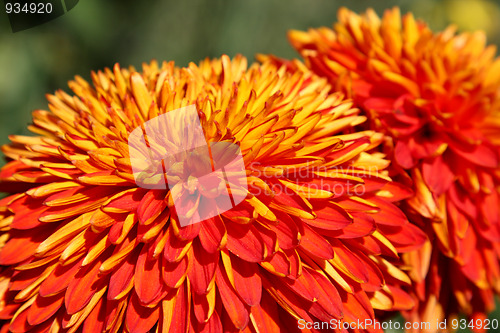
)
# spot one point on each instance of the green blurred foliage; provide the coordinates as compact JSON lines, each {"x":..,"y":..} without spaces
{"x":97,"y":34}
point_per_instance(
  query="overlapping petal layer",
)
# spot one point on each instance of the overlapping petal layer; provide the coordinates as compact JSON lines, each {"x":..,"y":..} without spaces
{"x":84,"y":249}
{"x":437,"y":97}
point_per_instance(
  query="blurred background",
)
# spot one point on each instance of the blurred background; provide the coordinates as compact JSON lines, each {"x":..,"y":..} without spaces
{"x":96,"y":34}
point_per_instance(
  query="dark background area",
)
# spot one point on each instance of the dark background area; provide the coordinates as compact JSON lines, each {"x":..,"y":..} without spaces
{"x":98,"y":33}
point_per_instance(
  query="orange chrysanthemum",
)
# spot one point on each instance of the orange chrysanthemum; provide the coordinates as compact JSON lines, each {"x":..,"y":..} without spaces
{"x":83,"y":248}
{"x":437,"y":97}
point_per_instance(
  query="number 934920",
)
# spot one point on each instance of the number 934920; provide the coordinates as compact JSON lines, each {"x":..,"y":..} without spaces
{"x":28,"y":8}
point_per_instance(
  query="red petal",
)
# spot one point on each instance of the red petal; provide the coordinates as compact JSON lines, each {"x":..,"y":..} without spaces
{"x":174,"y":248}
{"x":95,"y":321}
{"x":461,"y":199}
{"x":115,"y":231}
{"x":81,"y":289}
{"x":489,"y":208}
{"x":372,"y":183}
{"x":398,"y":191}
{"x":329,"y":298}
{"x":59,"y":213}
{"x":101,"y":220}
{"x":350,"y":145}
{"x":201,"y":307}
{"x":201,"y":269}
{"x":187,"y":232}
{"x":245,"y":242}
{"x":75,"y":194}
{"x":286,"y":231}
{"x":380,"y":104}
{"x":127,"y":202}
{"x":357,"y":306}
{"x":458,"y":220}
{"x":43,"y":308}
{"x":4,"y":328}
{"x":140,"y":319}
{"x":212,"y":234}
{"x":60,"y":278}
{"x":174,"y":273}
{"x":232,"y":303}
{"x":22,"y":279}
{"x":20,"y":324}
{"x":314,"y":244}
{"x":295,"y":263}
{"x":425,"y":147}
{"x":480,"y":154}
{"x":403,"y":155}
{"x":375,"y":277}
{"x":305,"y":286}
{"x":26,"y":212}
{"x":241,"y":213}
{"x":10,"y":307}
{"x":468,"y":245}
{"x":350,"y":205}
{"x":176,"y":311}
{"x":228,"y":326}
{"x":22,"y":245}
{"x":388,"y":214}
{"x":278,"y":264}
{"x":283,"y":199}
{"x":475,"y":269}
{"x":122,"y":277}
{"x":213,"y":325}
{"x":13,"y":167}
{"x":437,"y":175}
{"x":265,"y":317}
{"x":35,"y":176}
{"x":353,"y":264}
{"x":363,"y":225}
{"x":152,"y":205}
{"x":405,"y":238}
{"x":329,"y":217}
{"x":148,"y":280}
{"x":247,"y":281}
{"x":402,"y":300}
{"x":284,"y":295}
{"x":268,"y":236}
{"x":114,"y":314}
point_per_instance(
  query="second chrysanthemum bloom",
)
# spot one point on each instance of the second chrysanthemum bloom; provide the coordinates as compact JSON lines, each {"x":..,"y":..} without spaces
{"x":437,"y":97}
{"x":315,"y":239}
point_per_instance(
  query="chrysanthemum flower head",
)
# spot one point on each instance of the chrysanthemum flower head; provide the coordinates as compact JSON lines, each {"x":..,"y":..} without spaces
{"x":437,"y":97}
{"x":316,"y":237}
